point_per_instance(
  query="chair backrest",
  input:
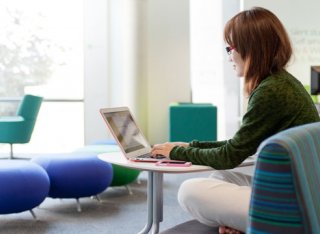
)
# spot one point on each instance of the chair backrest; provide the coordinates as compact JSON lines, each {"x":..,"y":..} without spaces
{"x":286,"y":184}
{"x":29,"y":107}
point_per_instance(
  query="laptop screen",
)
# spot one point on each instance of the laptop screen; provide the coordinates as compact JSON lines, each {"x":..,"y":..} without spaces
{"x":126,"y":131}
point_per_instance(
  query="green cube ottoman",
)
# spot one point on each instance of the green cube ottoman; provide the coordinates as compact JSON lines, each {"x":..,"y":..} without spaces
{"x":192,"y":121}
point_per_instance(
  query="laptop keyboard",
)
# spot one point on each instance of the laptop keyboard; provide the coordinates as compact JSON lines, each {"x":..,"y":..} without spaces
{"x":158,"y":156}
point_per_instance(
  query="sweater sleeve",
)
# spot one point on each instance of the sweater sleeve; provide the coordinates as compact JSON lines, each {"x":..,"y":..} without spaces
{"x":207,"y":144}
{"x":263,"y":117}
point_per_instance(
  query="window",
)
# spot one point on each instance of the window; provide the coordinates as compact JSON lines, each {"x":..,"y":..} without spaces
{"x":41,"y":47}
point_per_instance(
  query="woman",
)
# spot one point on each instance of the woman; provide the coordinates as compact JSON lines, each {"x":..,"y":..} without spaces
{"x":259,"y":49}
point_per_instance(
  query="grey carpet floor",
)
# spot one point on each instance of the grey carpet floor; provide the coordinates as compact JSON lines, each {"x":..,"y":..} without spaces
{"x":117,"y":213}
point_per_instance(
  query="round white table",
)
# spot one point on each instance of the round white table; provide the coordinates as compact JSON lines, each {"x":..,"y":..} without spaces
{"x":155,"y":184}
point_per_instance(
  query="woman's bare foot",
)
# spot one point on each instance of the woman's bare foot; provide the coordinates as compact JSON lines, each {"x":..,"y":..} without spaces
{"x":227,"y":230}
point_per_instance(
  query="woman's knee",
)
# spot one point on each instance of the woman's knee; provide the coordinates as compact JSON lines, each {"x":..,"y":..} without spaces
{"x":193,"y":192}
{"x":215,"y":202}
{"x":189,"y":192}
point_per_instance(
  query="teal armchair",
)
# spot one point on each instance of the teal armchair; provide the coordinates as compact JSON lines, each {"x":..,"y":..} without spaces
{"x":18,"y":129}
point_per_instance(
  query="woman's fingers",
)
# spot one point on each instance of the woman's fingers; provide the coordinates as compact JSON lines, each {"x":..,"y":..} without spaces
{"x":163,"y":149}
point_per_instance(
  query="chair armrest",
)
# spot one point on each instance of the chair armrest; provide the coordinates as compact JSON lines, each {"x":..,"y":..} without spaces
{"x":274,"y":206}
{"x":6,"y":119}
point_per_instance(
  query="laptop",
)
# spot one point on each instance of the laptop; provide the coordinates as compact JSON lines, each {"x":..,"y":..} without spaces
{"x":129,"y":137}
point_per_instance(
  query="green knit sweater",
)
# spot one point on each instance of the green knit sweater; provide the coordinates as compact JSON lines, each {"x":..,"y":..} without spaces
{"x":278,"y":103}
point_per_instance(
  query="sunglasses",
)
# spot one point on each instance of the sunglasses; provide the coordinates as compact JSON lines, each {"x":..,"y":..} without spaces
{"x":229,"y":49}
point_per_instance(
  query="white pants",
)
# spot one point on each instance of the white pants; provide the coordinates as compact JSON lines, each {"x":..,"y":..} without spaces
{"x":219,"y":201}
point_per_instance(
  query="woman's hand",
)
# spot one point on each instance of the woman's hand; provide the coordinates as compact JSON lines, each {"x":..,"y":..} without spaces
{"x":165,"y":148}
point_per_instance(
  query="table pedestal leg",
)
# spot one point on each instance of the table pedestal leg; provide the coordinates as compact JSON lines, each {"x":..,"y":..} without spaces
{"x":155,"y":203}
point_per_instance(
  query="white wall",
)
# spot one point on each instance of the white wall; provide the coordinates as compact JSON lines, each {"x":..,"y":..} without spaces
{"x":167,"y":62}
{"x":96,"y":60}
{"x":213,"y":79}
{"x":231,"y":83}
{"x":113,"y":62}
{"x":207,"y":56}
{"x":126,"y":62}
{"x":137,"y":55}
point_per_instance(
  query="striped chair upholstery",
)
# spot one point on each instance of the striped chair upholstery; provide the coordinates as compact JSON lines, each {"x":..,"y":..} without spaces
{"x":286,"y":184}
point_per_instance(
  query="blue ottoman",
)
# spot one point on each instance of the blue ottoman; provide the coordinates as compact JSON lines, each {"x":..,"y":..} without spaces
{"x":23,"y":186}
{"x":75,"y":175}
{"x":122,"y":176}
